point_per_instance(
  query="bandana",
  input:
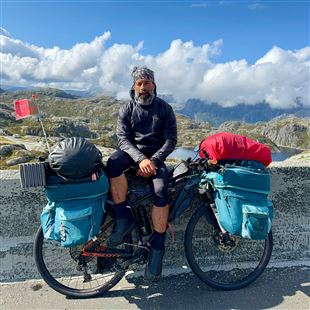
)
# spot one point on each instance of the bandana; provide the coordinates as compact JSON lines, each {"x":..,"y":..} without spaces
{"x":142,"y":73}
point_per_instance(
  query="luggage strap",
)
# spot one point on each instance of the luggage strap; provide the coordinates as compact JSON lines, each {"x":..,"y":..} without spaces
{"x":242,"y":188}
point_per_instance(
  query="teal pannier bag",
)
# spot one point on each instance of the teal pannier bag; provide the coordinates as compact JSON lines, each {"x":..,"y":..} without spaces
{"x":241,"y":199}
{"x":78,"y":221}
{"x":48,"y":220}
{"x":74,"y":211}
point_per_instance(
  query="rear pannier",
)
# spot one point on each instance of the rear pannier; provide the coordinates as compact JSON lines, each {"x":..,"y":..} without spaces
{"x":74,"y":211}
{"x":241,"y":199}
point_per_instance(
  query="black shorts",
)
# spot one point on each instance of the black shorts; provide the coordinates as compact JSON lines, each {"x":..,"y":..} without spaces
{"x":119,"y":161}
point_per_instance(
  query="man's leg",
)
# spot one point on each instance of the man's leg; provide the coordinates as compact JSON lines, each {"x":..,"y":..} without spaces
{"x":160,"y":218}
{"x":160,"y":213}
{"x":119,"y":188}
{"x":117,"y":163}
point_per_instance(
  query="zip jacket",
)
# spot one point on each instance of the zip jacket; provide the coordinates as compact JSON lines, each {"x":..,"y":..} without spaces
{"x":147,"y":131}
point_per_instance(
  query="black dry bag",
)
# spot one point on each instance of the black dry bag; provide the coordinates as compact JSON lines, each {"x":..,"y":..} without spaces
{"x":75,"y":158}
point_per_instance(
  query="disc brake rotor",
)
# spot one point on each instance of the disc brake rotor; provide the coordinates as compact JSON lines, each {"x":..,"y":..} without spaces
{"x":225,"y":242}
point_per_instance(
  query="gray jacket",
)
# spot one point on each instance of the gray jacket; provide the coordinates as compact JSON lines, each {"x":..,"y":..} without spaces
{"x":147,"y":131}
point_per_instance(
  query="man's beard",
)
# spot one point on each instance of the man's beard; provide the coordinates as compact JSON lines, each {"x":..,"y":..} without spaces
{"x":145,"y":98}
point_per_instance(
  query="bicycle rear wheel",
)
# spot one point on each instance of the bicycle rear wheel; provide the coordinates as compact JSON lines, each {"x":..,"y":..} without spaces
{"x":229,"y":266}
{"x":69,"y":273}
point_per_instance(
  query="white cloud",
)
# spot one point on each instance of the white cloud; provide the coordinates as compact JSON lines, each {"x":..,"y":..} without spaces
{"x":184,"y":70}
{"x":199,"y":5}
{"x":4,"y":32}
{"x":256,"y":6}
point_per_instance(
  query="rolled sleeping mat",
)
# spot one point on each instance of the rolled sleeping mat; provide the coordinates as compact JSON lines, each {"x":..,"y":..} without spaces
{"x":32,"y":174}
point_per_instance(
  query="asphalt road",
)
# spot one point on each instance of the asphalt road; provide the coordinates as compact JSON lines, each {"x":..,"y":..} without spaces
{"x":277,"y":288}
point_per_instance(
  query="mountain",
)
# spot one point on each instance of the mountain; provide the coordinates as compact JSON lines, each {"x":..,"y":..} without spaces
{"x":10,"y":88}
{"x":80,"y":93}
{"x":215,"y":114}
{"x":41,"y":92}
{"x":65,"y":115}
{"x":76,"y":93}
{"x":288,"y":131}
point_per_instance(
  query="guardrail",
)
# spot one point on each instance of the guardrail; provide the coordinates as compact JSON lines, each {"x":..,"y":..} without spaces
{"x":20,"y":210}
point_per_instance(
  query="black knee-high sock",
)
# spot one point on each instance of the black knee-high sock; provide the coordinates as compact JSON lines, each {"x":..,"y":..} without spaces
{"x":158,"y":240}
{"x":122,"y":211}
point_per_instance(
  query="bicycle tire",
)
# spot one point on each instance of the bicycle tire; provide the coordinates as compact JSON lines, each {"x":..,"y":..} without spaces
{"x":55,"y":282}
{"x":214,"y":273}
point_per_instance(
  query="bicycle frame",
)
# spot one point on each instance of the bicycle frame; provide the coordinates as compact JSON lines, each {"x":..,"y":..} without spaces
{"x":178,"y":206}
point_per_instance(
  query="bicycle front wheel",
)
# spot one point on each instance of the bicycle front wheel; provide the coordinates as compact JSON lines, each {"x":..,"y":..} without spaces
{"x":227,"y":265}
{"x":69,"y":273}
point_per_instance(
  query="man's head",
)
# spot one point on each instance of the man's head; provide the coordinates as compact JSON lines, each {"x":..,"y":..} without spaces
{"x":144,"y":86}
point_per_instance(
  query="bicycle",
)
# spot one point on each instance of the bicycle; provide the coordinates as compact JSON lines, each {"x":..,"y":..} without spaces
{"x":219,"y":259}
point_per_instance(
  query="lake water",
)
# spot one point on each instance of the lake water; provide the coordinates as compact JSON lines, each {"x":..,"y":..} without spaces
{"x":184,"y":153}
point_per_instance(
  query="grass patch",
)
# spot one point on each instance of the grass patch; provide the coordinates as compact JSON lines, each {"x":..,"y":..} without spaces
{"x":3,"y":140}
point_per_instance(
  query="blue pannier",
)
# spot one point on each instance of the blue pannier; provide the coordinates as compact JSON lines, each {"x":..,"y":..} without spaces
{"x":74,"y":212}
{"x":241,"y":199}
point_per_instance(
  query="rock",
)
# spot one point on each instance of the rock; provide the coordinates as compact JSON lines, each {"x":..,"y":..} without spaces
{"x":64,"y":127}
{"x":6,"y":115}
{"x":21,"y":156}
{"x":230,"y":126}
{"x":16,"y":161}
{"x":7,"y":149}
{"x":289,"y":131}
{"x":5,"y":106}
{"x":106,"y":152}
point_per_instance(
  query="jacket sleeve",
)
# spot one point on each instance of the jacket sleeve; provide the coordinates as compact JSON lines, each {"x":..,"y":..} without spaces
{"x":125,"y":136}
{"x":170,"y":136}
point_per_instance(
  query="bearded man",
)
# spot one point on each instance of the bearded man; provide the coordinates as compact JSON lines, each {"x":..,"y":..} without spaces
{"x":147,"y":134}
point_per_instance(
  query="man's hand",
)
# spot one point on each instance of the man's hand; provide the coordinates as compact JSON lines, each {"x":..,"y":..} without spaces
{"x":146,"y":168}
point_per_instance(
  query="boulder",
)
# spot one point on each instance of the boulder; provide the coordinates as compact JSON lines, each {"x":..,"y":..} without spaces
{"x":7,"y":149}
{"x":64,"y":127}
{"x":20,"y":157}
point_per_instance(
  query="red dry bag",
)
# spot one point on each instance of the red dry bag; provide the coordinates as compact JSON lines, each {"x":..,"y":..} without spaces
{"x":227,"y":145}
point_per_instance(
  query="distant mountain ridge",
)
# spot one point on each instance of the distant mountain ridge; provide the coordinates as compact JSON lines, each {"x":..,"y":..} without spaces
{"x":195,"y":109}
{"x":66,"y":115}
{"x":216,"y":115}
{"x":41,"y":92}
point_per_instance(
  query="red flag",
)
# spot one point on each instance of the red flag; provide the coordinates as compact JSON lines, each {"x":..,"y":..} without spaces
{"x":25,"y":108}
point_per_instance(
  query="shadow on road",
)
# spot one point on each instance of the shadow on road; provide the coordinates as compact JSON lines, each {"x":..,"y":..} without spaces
{"x":186,"y":291}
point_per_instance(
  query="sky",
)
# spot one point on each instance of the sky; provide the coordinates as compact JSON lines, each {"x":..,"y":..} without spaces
{"x":228,"y":52}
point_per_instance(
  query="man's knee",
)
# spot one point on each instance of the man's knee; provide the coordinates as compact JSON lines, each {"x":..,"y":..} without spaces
{"x":117,"y":163}
{"x":160,"y":188}
{"x":160,"y":201}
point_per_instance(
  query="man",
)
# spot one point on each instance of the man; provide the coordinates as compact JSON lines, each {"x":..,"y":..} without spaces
{"x":147,"y":134}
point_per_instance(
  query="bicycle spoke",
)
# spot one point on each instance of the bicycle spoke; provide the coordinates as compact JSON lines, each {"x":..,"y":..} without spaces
{"x":219,"y":263}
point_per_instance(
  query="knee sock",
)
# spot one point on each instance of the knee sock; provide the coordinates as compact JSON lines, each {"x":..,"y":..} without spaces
{"x":122,"y":211}
{"x":158,"y":240}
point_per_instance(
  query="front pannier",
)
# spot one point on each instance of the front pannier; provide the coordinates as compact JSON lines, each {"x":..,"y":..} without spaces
{"x":241,"y":199}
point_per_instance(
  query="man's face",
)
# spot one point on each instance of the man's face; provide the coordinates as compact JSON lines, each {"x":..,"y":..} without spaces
{"x":144,"y":88}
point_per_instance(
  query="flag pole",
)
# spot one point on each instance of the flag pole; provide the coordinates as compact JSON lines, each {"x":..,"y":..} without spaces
{"x":45,"y":136}
{"x":41,"y":123}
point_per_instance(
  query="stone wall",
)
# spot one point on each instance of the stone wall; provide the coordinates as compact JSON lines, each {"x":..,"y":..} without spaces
{"x":20,"y":210}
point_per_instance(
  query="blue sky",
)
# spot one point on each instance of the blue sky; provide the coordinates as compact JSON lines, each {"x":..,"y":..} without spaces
{"x":227,"y":52}
{"x":248,"y":28}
